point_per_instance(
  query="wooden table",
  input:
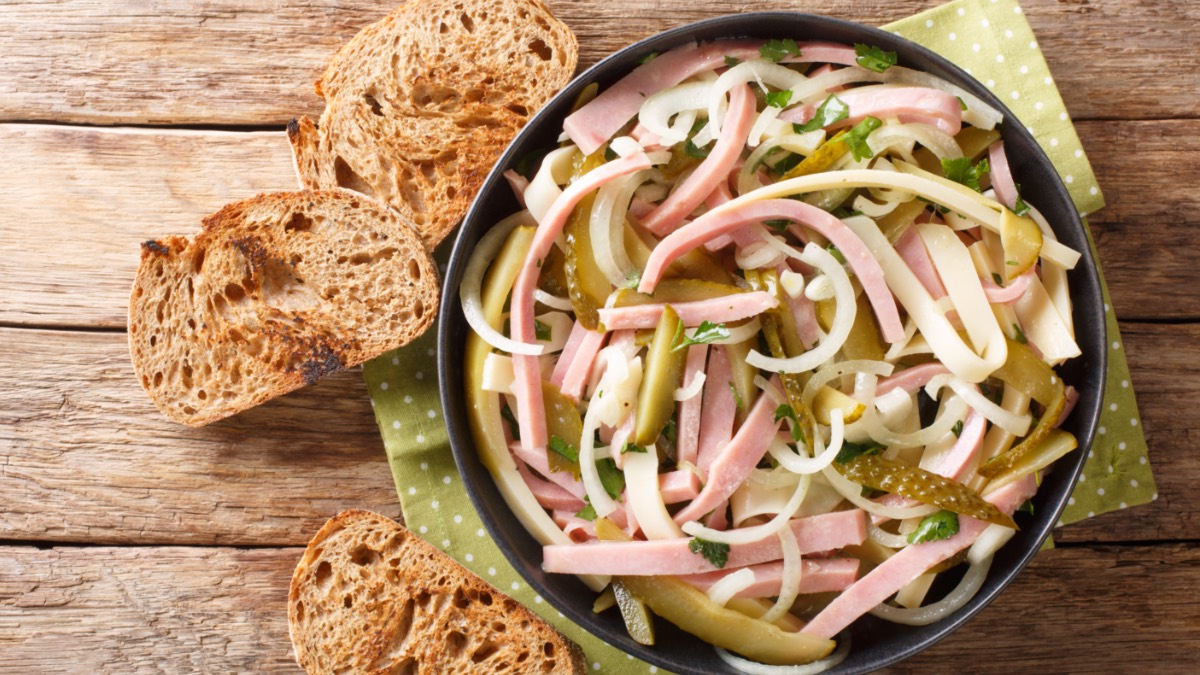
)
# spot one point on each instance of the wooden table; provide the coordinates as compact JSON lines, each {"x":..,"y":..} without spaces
{"x":131,"y":544}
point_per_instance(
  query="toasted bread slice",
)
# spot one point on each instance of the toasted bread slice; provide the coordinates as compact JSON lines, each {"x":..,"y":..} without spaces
{"x":275,"y":292}
{"x":368,"y":596}
{"x":420,"y":104}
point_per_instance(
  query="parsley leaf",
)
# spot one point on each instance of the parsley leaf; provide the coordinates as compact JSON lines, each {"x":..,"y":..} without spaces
{"x":778,"y":50}
{"x":610,"y":154}
{"x":960,"y":171}
{"x":705,"y":333}
{"x":717,"y":554}
{"x":731,"y":61}
{"x":961,"y":103}
{"x":786,"y":411}
{"x":1020,"y":207}
{"x":874,"y":58}
{"x":528,"y":164}
{"x":957,"y":429}
{"x":779,"y":99}
{"x":588,"y":512}
{"x":779,"y":225}
{"x":836,"y":253}
{"x":630,"y":447}
{"x":833,"y":110}
{"x":648,"y":58}
{"x":540,"y":330}
{"x":508,"y":416}
{"x":1027,"y":507}
{"x":693,"y":150}
{"x":671,"y":431}
{"x":857,"y":138}
{"x":935,"y":527}
{"x":737,"y":398}
{"x":611,"y":477}
{"x":850,"y":451}
{"x":1019,"y":335}
{"x":560,"y":446}
{"x":997,"y":278}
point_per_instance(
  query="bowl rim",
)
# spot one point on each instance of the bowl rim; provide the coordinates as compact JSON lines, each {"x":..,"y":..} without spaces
{"x":1085,"y":282}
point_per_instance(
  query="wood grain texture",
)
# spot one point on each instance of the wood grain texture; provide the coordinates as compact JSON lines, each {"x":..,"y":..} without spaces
{"x":101,"y":192}
{"x":252,"y":63}
{"x":79,"y":201}
{"x":221,"y":610}
{"x":84,"y":456}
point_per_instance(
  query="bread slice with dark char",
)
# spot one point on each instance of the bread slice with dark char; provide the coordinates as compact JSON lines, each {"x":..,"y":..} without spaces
{"x":275,"y":292}
{"x":369,"y":596}
{"x":420,"y":104}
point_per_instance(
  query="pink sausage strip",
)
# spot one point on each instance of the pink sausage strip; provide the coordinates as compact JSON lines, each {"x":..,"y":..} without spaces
{"x":593,"y":124}
{"x":577,"y":530}
{"x":816,"y":576}
{"x":954,"y":462}
{"x":1011,"y":293}
{"x":914,"y":254}
{"x":689,"y":410}
{"x":539,"y":462}
{"x":899,"y":570}
{"x":518,"y":183}
{"x":713,"y":170}
{"x":678,"y":486}
{"x":911,"y":379}
{"x":1001,"y":175}
{"x":910,"y":104}
{"x":718,"y":310}
{"x":580,"y":368}
{"x":548,"y":494}
{"x":671,"y":556}
{"x":527,"y":387}
{"x":720,"y":411}
{"x":735,"y":460}
{"x":725,"y":220}
{"x":567,"y":355}
{"x":718,"y":520}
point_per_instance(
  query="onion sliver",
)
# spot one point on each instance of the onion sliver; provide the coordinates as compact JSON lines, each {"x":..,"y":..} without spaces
{"x":469,"y":290}
{"x":832,"y":371}
{"x":749,"y":535}
{"x":843,"y":319}
{"x":971,"y":582}
{"x":988,"y":542}
{"x":544,"y":188}
{"x":884,"y":538}
{"x":853,"y":492}
{"x":793,"y":568}
{"x":552,"y":301}
{"x":1017,"y":425}
{"x":977,"y":114}
{"x":762,"y":72}
{"x":730,"y":585}
{"x":824,"y":457}
{"x":607,"y":227}
{"x":692,"y":389}
{"x":756,"y":668}
{"x":939,"y":142}
{"x":682,"y":102}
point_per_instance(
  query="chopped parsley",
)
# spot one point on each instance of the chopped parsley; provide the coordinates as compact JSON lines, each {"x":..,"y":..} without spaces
{"x":731,"y":61}
{"x":670,"y":432}
{"x":610,"y":154}
{"x":611,"y":477}
{"x":935,"y":527}
{"x":1027,"y":507}
{"x":540,"y":330}
{"x":508,"y":416}
{"x":561,"y":447}
{"x":779,"y":99}
{"x":1020,"y":207}
{"x":588,"y":512}
{"x":957,"y":429}
{"x":779,"y":225}
{"x":786,"y":411}
{"x":648,"y":58}
{"x":778,"y":50}
{"x":786,"y":164}
{"x":717,"y":554}
{"x":737,"y":398}
{"x":851,"y":451}
{"x":833,"y":110}
{"x":842,"y":213}
{"x":1019,"y":335}
{"x":874,"y":58}
{"x":961,"y":171}
{"x":528,"y":164}
{"x":693,"y":150}
{"x":997,"y":278}
{"x":630,"y":447}
{"x":961,"y":103}
{"x":705,"y":333}
{"x":857,"y":138}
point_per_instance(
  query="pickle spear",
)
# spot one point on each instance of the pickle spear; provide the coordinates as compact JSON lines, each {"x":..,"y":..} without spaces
{"x":663,"y":375}
{"x":587,"y":286}
{"x":563,"y":421}
{"x":675,"y":291}
{"x":1021,"y":239}
{"x":1028,"y":374}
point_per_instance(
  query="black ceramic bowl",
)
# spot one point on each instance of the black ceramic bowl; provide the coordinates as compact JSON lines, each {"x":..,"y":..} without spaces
{"x":875,"y":643}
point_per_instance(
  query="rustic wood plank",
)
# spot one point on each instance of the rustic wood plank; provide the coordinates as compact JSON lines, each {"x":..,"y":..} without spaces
{"x":243,"y":62}
{"x":223,"y":610}
{"x":81,"y":199}
{"x":84,"y":456}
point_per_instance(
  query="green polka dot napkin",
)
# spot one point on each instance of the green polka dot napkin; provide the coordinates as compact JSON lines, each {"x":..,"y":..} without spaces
{"x":992,"y":40}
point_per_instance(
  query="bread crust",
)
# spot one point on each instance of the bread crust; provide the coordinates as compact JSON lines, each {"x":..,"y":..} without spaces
{"x":420,"y":104}
{"x":273,"y":293}
{"x":369,"y":596}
